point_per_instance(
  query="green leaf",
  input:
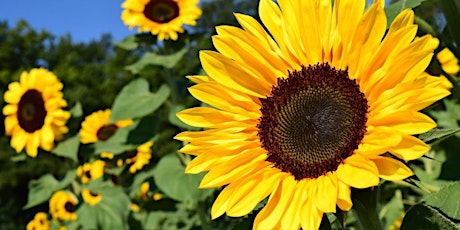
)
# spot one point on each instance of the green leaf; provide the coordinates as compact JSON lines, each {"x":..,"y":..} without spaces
{"x":421,"y":216}
{"x":68,"y":148}
{"x":365,"y":208}
{"x":19,"y":157}
{"x":110,"y":213}
{"x":170,"y":178}
{"x":150,"y":58}
{"x":135,"y":100}
{"x":40,"y":190}
{"x":437,"y":134}
{"x":77,"y":110}
{"x":393,"y":210}
{"x":130,"y":137}
{"x":139,"y":178}
{"x":129,"y":43}
{"x":394,"y":9}
{"x":452,"y":14}
{"x":447,"y":200}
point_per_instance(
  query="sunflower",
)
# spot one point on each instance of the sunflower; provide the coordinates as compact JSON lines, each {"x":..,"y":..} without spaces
{"x":91,"y":171}
{"x":34,"y":115}
{"x":142,"y":157}
{"x":95,"y":127}
{"x":448,"y":62}
{"x":319,"y":99}
{"x":62,"y":205}
{"x":40,"y":222}
{"x":164,"y":18}
{"x":90,"y":198}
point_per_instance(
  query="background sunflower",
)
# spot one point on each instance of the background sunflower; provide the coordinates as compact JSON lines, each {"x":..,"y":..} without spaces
{"x":165,"y":18}
{"x":34,"y":115}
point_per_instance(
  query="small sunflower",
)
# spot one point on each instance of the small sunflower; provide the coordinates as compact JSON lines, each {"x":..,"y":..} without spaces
{"x":90,"y":198}
{"x":40,"y":222}
{"x":319,"y":99}
{"x":91,"y":171}
{"x":164,"y":18}
{"x":448,"y":62}
{"x":142,"y":157}
{"x":62,"y":205}
{"x":95,"y":127}
{"x":34,"y":115}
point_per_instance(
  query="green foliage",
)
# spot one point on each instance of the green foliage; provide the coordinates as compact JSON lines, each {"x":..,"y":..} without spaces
{"x":425,"y":217}
{"x":135,"y":100}
{"x":184,"y":187}
{"x":394,"y":9}
{"x":446,"y":200}
{"x":110,"y":213}
{"x":40,"y":190}
{"x":68,"y":148}
{"x":149,"y":58}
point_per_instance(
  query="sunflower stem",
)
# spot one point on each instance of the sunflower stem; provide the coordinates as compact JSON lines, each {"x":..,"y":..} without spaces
{"x":365,"y":208}
{"x":203,"y":217}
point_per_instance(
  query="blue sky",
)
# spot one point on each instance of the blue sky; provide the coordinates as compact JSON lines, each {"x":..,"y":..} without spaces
{"x":83,"y":19}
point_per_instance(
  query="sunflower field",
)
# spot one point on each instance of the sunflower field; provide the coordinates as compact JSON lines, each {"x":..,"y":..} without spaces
{"x":236,"y":114}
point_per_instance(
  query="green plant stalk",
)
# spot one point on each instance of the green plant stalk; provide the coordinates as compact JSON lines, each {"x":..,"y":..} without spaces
{"x":365,"y":208}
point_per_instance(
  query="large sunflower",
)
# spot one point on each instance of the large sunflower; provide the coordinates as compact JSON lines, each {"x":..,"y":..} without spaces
{"x":322,"y":100}
{"x":95,"y":127}
{"x":164,"y":18}
{"x":34,"y":115}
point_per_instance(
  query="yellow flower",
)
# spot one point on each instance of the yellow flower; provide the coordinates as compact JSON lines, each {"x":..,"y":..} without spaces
{"x":107,"y":155}
{"x":144,"y":190}
{"x":34,"y":115}
{"x":164,"y":18}
{"x":142,"y":157}
{"x":318,"y":100}
{"x":62,"y":206}
{"x":90,"y":198}
{"x":91,"y":171}
{"x":157,"y":196}
{"x":448,"y":62}
{"x":397,"y":223}
{"x":135,"y":208}
{"x":95,"y":127}
{"x":40,"y":222}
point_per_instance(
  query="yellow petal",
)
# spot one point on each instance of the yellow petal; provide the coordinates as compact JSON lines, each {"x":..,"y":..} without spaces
{"x":207,"y":117}
{"x":391,"y":169}
{"x":278,"y":202}
{"x":410,"y":148}
{"x":233,"y":75}
{"x":358,"y":172}
{"x":326,"y":194}
{"x":344,"y":196}
{"x":254,"y":189}
{"x":408,"y":122}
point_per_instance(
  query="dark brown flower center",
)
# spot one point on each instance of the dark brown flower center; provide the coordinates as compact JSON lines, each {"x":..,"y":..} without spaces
{"x":31,"y":111}
{"x":312,"y":121}
{"x":105,"y":132}
{"x":161,"y":11}
{"x":68,"y":206}
{"x":88,"y":174}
